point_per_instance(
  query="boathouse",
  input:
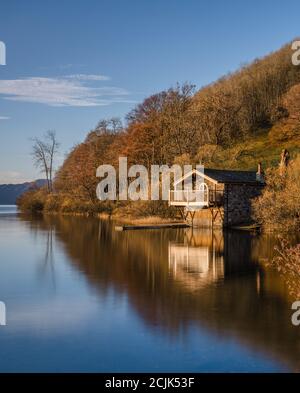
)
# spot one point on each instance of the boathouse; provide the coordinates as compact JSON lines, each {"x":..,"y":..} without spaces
{"x":221,"y":198}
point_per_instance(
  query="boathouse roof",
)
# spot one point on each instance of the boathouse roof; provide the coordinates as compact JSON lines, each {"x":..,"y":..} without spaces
{"x":224,"y":176}
{"x":230,"y":176}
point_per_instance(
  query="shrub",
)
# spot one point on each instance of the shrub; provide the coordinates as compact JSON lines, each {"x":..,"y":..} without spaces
{"x":149,"y":209}
{"x":32,"y":201}
{"x":279,"y":206}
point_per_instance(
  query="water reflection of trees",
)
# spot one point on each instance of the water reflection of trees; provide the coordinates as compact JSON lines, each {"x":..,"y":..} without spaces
{"x":239,"y":299}
{"x":46,"y":263}
{"x":285,"y":261}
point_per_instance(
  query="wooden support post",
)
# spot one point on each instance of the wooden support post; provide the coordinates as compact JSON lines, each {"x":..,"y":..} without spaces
{"x":215,"y":215}
{"x":182,"y":213}
{"x":212,"y":216}
{"x":192,"y":214}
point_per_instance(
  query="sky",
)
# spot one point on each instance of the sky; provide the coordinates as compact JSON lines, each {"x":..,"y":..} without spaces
{"x":71,"y":63}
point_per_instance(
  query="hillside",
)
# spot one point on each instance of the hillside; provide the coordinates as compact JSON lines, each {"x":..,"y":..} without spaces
{"x":10,"y":192}
{"x":241,"y":119}
{"x":247,"y":154}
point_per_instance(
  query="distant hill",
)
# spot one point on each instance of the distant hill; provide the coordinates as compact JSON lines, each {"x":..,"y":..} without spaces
{"x":10,"y":192}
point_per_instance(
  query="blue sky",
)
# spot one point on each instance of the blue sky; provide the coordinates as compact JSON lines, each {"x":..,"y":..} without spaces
{"x":72,"y":63}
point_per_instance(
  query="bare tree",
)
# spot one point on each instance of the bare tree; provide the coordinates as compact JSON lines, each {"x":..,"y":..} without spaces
{"x":43,"y":153}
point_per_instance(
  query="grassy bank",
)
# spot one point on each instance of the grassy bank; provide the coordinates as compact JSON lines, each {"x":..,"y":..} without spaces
{"x":139,"y":212}
{"x":246,"y":154}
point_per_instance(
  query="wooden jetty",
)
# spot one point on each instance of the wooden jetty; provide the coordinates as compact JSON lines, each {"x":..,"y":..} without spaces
{"x":151,"y":226}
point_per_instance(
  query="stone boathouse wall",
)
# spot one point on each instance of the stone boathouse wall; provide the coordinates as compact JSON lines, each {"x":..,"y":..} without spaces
{"x":238,"y":200}
{"x":236,"y":209}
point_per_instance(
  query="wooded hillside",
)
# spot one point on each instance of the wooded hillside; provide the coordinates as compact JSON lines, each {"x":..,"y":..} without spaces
{"x":237,"y":121}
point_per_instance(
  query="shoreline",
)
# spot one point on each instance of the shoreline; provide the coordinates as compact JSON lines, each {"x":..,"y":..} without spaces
{"x":139,"y":221}
{"x":118,"y":218}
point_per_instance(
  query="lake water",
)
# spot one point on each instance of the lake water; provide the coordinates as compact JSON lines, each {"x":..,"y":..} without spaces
{"x":8,"y":209}
{"x":82,"y":297}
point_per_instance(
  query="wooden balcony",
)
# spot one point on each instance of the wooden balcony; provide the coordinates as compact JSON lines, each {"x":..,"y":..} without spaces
{"x":197,"y":199}
{"x":189,"y":198}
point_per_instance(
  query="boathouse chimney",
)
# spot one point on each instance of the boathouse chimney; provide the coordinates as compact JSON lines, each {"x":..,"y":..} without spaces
{"x":284,"y":161}
{"x":260,"y":173}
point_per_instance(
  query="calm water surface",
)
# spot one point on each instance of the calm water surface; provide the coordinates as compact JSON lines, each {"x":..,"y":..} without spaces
{"x":82,"y":297}
{"x":8,"y":209}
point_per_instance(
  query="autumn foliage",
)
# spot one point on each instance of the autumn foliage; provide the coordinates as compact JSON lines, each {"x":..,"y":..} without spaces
{"x":279,"y":206}
{"x":182,"y":124}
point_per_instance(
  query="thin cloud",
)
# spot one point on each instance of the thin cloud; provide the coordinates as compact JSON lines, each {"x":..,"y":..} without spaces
{"x":4,"y":118}
{"x":88,"y":77}
{"x":12,"y":177}
{"x":70,"y":90}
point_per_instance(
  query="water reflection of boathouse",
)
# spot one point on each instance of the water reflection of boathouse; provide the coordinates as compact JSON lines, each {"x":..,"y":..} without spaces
{"x":198,"y":260}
